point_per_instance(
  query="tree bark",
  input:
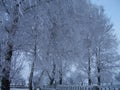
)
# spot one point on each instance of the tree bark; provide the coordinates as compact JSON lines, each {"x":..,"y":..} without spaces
{"x":60,"y":76}
{"x":98,"y":67}
{"x":60,"y":80}
{"x":89,"y":72}
{"x":5,"y":82}
{"x":31,"y":77}
{"x":33,"y":64}
{"x":52,"y":79}
{"x":98,"y":78}
{"x":32,"y":72}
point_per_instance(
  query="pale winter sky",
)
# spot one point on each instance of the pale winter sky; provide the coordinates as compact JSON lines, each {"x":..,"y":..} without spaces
{"x":112,"y":10}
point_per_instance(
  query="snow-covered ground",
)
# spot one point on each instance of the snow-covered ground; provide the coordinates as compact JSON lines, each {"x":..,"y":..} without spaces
{"x":18,"y":89}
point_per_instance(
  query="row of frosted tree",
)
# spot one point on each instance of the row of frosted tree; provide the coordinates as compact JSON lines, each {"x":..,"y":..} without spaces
{"x":65,"y":42}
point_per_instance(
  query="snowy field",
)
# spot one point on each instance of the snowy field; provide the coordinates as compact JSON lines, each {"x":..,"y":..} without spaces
{"x":18,"y":89}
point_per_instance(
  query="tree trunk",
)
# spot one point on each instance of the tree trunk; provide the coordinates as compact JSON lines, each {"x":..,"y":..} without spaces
{"x":31,"y":77}
{"x":98,"y":78}
{"x":88,"y":47}
{"x":32,"y":68}
{"x":99,"y":68}
{"x":52,"y":77}
{"x":60,"y":81}
{"x":5,"y":82}
{"x":61,"y":76}
{"x":51,"y":81}
{"x":89,"y":72}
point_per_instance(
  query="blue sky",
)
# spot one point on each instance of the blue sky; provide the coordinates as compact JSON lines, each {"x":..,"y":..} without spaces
{"x":112,"y":10}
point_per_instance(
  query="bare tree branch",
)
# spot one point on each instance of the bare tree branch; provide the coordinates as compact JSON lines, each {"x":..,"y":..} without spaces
{"x":5,"y":6}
